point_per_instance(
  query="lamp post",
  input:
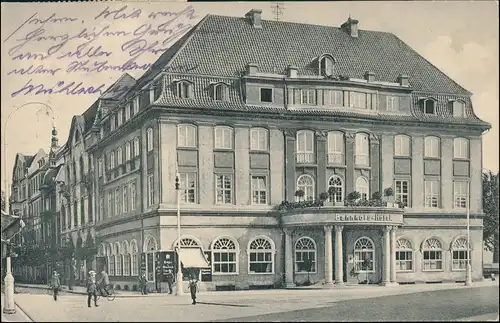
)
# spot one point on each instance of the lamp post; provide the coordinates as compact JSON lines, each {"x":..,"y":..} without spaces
{"x":9,"y":305}
{"x":468,"y":272}
{"x":179,"y":290}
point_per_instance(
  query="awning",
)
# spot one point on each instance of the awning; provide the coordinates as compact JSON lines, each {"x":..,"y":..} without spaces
{"x":193,"y":258}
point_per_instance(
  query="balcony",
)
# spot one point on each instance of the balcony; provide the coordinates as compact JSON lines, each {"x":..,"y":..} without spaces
{"x":305,"y":158}
{"x":362,"y":160}
{"x":335,"y":159}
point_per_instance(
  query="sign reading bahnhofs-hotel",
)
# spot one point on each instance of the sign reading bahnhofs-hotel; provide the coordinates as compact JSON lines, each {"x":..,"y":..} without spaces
{"x":363,"y":217}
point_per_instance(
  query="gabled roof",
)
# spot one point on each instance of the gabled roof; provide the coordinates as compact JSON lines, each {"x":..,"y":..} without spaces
{"x":222,"y":46}
{"x":118,"y":89}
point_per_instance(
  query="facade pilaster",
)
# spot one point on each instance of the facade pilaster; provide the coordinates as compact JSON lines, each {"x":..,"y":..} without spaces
{"x":386,"y":274}
{"x":339,"y":272}
{"x":328,"y":255}
{"x":288,"y":258}
{"x":349,"y":160}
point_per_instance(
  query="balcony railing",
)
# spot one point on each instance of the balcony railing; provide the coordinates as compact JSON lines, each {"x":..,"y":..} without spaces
{"x":305,"y":158}
{"x":335,"y":159}
{"x":362,"y":160}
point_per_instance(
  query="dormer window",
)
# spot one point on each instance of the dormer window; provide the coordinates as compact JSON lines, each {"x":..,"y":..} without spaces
{"x":326,"y":64}
{"x":428,"y":105}
{"x":120,"y":117}
{"x":184,"y":89}
{"x":457,"y":108}
{"x":220,"y":91}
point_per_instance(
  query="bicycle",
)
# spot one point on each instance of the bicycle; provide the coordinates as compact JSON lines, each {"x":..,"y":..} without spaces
{"x":110,"y":292}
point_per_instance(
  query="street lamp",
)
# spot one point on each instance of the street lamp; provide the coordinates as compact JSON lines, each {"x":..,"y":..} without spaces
{"x":179,"y":290}
{"x":9,"y":305}
{"x":468,"y":272}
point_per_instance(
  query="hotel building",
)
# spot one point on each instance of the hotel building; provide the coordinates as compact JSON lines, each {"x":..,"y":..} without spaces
{"x":251,"y":113}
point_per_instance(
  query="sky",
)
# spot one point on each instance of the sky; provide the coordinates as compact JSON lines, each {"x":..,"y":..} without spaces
{"x":459,"y":37}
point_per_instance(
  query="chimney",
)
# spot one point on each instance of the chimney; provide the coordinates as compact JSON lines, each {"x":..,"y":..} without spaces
{"x":403,"y":80}
{"x":291,"y":72}
{"x":255,"y":16}
{"x":252,"y":68}
{"x":351,"y":27}
{"x":369,"y":76}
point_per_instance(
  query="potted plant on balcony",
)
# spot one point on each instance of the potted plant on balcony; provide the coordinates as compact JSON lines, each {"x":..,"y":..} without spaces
{"x":299,"y":194}
{"x":352,"y":198}
{"x":388,"y":192}
{"x":323,"y":197}
{"x":332,"y":194}
{"x":377,"y":199}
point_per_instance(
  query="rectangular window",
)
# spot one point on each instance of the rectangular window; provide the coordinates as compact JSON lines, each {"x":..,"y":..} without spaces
{"x":136,"y":147}
{"x":151,"y":190}
{"x":432,"y":192}
{"x":402,"y":192}
{"x":100,"y":167}
{"x":432,"y":147}
{"x":112,"y":160}
{"x":433,"y":260}
{"x":101,"y":207}
{"x":335,"y":148}
{"x":223,"y":138}
{"x":404,"y":260}
{"x":362,"y":157}
{"x":308,"y":96}
{"x":110,"y":203}
{"x":460,"y":148}
{"x":357,"y":100}
{"x":258,"y":139}
{"x":305,"y":147}
{"x":112,"y":122}
{"x":127,"y":151}
{"x":401,"y":145}
{"x":460,"y":195}
{"x":120,"y":117}
{"x":333,"y":98}
{"x":117,"y":201}
{"x":266,"y":95}
{"x":135,"y":105}
{"x":132,"y":196}
{"x":186,"y":136}
{"x":188,"y":187}
{"x":259,"y":190}
{"x":125,"y":198}
{"x":392,"y":103}
{"x":224,"y":189}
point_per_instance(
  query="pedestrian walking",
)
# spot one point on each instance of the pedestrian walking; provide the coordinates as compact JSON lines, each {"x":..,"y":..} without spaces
{"x":193,"y":288}
{"x":170,"y":280}
{"x":143,"y":283}
{"x":91,"y":288}
{"x":55,"y":283}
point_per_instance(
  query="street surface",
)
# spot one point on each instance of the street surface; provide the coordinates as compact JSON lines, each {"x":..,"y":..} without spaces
{"x":403,"y":303}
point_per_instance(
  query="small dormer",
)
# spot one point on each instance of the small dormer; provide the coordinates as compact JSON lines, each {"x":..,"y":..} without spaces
{"x":326,"y":65}
{"x":457,"y":108}
{"x":351,"y":27}
{"x":255,"y":17}
{"x":428,"y":105}
{"x":183,"y":89}
{"x":220,"y":91}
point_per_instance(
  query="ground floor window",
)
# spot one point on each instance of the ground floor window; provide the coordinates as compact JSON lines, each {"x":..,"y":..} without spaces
{"x":404,"y":255}
{"x":305,"y":255}
{"x":150,"y":266}
{"x":364,"y":255}
{"x":432,"y":254}
{"x":459,"y":254}
{"x":261,"y":256}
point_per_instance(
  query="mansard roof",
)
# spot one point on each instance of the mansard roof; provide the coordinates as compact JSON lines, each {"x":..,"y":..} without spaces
{"x":222,"y":46}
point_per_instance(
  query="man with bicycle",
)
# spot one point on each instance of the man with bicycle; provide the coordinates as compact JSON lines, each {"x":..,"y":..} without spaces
{"x":103,"y":283}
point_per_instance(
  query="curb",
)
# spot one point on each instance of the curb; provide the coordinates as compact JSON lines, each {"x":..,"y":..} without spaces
{"x":23,"y":313}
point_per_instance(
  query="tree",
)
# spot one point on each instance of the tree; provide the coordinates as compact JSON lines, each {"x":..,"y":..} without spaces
{"x":490,"y":208}
{"x":2,"y":206}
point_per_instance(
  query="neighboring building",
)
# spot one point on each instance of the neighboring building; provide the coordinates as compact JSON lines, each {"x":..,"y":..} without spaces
{"x":249,"y":112}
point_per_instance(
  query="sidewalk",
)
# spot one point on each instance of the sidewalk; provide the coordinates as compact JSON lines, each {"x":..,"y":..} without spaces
{"x":19,"y":316}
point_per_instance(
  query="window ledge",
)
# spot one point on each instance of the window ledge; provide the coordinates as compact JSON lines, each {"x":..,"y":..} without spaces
{"x":187,"y":148}
{"x":405,"y":271}
{"x":224,"y":274}
{"x":305,"y":272}
{"x":433,"y":270}
{"x":402,"y":157}
{"x":222,"y":149}
{"x":336,"y":165}
{"x":259,"y":151}
{"x":253,"y":273}
{"x":362,"y":167}
{"x":459,"y":270}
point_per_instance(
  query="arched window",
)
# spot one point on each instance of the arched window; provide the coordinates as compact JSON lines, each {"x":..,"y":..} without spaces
{"x":459,"y":254}
{"x":364,"y":255}
{"x":432,"y":250}
{"x":184,"y":89}
{"x":111,"y":259}
{"x":220,"y":92}
{"x":305,"y":255}
{"x":112,"y":160}
{"x":136,"y":147}
{"x":362,"y":150}
{"x":101,"y":250}
{"x":428,"y":106}
{"x":150,"y":250}
{"x":363,"y":188}
{"x":305,"y":183}
{"x":401,"y":145}
{"x":457,"y":108}
{"x":223,"y":137}
{"x":404,"y":255}
{"x":261,"y":252}
{"x":119,"y":156}
{"x":461,"y":148}
{"x":119,"y":259}
{"x":128,"y":154}
{"x":224,"y":256}
{"x":432,"y":147}
{"x":126,"y":258}
{"x":336,"y":148}
{"x":149,"y":139}
{"x":186,"y":136}
{"x":135,"y":259}
{"x":189,"y":243}
{"x":338,"y":189}
{"x":326,"y":65}
{"x":305,"y":147}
